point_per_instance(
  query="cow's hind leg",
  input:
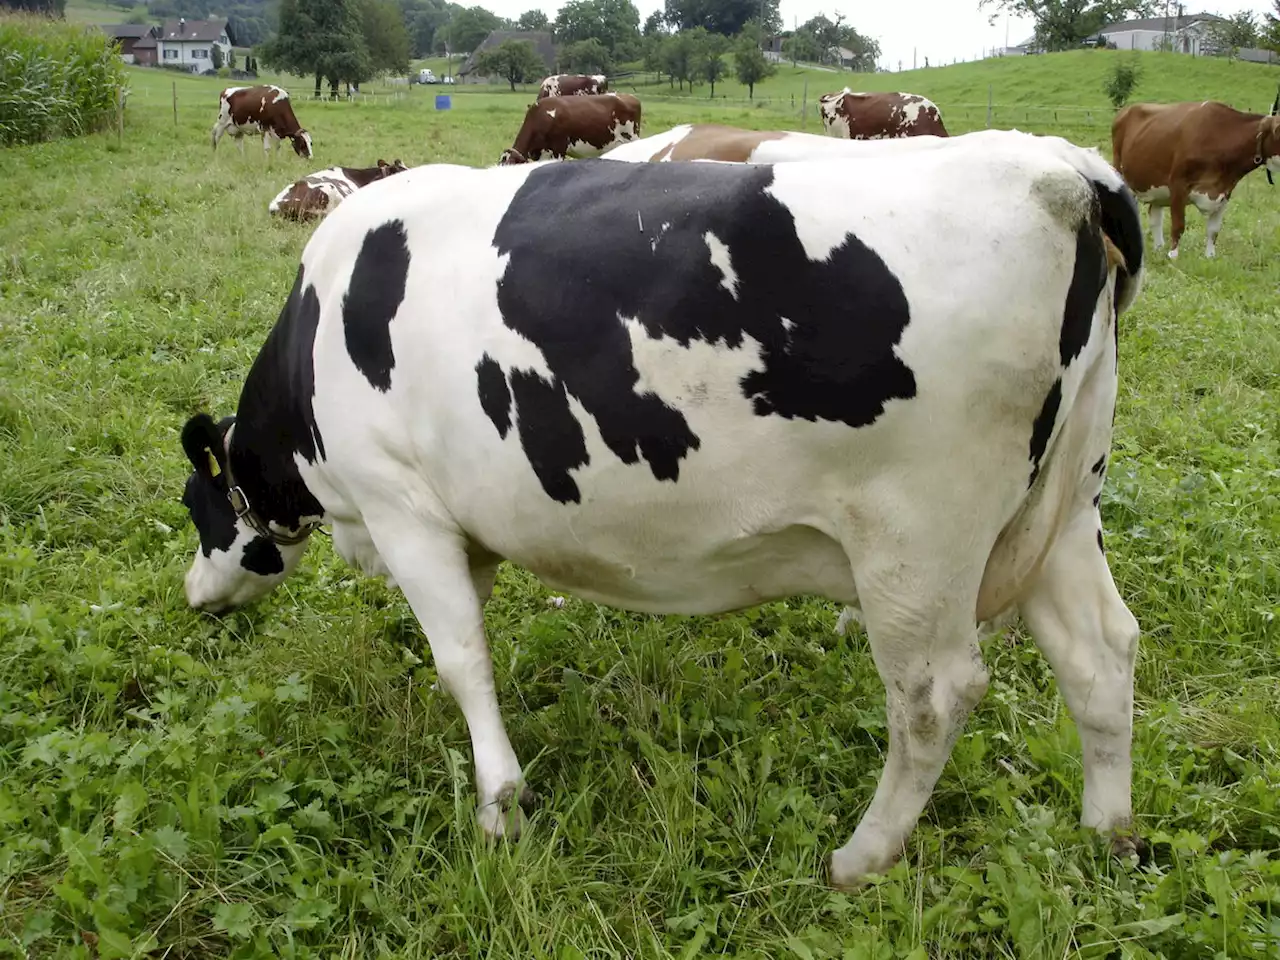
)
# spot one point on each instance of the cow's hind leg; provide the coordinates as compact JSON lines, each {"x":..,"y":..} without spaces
{"x":919,"y":620}
{"x":442,"y":586}
{"x":1090,"y":638}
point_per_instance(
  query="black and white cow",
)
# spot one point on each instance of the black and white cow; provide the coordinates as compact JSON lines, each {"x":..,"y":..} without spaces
{"x":696,"y":387}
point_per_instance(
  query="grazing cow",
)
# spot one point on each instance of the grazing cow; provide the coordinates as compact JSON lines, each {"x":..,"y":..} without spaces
{"x":879,"y":116}
{"x":697,"y":387}
{"x":264,"y":109}
{"x":1172,"y":153}
{"x":573,"y":85}
{"x":574,"y":127}
{"x":318,"y":193}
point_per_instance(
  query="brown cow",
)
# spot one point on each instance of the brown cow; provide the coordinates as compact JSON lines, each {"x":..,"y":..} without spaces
{"x":264,"y":109}
{"x":318,"y":193}
{"x":573,"y":85}
{"x":1172,"y":153}
{"x":574,"y":127}
{"x":879,"y":116}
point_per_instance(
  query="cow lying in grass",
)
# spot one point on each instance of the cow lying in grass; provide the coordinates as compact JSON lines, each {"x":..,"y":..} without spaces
{"x":318,"y":193}
{"x":697,"y":387}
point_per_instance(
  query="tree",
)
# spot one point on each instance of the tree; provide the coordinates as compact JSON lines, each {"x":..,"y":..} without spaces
{"x":801,"y":46}
{"x":51,"y":8}
{"x":1062,"y":24}
{"x":385,"y":36}
{"x":215,"y":56}
{"x":1270,"y":37}
{"x":1238,"y":30}
{"x":423,"y":18}
{"x":708,"y":56}
{"x":1122,"y":80}
{"x":231,"y":59}
{"x":321,"y":38}
{"x":533,"y":20}
{"x":514,"y":60}
{"x":656,"y":26}
{"x":615,"y":23}
{"x":676,"y":54}
{"x":587,"y":56}
{"x":468,"y":28}
{"x":750,"y":64}
{"x":725,"y":17}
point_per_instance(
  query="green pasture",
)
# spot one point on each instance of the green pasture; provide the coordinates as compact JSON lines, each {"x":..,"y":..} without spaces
{"x":285,"y":781}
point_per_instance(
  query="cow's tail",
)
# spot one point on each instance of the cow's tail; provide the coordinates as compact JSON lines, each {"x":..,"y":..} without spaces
{"x":1122,"y":234}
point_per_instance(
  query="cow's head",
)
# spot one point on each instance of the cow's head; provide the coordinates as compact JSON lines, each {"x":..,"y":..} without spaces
{"x":1269,"y":140}
{"x":236,"y":563}
{"x":302,"y":144}
{"x":511,"y":155}
{"x":387,"y":169}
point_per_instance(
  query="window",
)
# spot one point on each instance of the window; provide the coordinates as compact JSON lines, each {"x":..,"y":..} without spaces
{"x":199,"y":54}
{"x":170,"y":53}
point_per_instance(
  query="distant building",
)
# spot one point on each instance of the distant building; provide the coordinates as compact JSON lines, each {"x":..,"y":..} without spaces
{"x":128,"y":36}
{"x":190,"y":43}
{"x":1185,"y":34}
{"x":543,"y":46}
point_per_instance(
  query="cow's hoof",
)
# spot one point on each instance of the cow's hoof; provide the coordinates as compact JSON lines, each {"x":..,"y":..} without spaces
{"x":1131,"y":849}
{"x":848,"y":869}
{"x":504,"y":818}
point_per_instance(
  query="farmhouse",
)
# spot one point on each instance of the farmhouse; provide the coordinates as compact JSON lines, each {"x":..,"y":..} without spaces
{"x":190,"y":43}
{"x":137,"y":41}
{"x":542,"y":45}
{"x":1185,"y":34}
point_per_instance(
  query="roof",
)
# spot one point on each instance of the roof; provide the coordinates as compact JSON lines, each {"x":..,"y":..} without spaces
{"x":206,"y":31}
{"x":541,"y":40}
{"x":1159,"y":24}
{"x":127,"y":31}
{"x":146,"y":43}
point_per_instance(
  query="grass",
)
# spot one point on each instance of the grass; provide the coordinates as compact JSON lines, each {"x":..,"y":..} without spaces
{"x":284,"y":781}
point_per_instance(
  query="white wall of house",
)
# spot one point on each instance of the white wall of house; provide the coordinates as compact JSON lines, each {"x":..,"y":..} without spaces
{"x":194,"y":55}
{"x":1189,"y":41}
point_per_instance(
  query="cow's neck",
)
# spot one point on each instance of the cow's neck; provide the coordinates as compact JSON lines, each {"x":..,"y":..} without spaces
{"x":1239,"y":143}
{"x":274,"y":421}
{"x":361,"y":177}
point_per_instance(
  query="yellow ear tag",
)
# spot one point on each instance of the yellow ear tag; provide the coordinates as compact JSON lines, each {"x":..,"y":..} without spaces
{"x":214,"y":469}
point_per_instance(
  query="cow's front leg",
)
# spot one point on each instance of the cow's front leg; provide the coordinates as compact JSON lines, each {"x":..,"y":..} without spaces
{"x":432,"y":570}
{"x":925,"y":647}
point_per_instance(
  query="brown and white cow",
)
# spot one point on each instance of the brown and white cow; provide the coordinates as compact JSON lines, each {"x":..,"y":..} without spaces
{"x":574,"y":127}
{"x":264,"y":109}
{"x":879,"y":116}
{"x":318,"y":193}
{"x":573,"y":85}
{"x":1174,"y":153}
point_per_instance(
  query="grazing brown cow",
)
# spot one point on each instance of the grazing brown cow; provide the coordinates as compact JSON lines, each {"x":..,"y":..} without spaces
{"x":264,"y":109}
{"x":574,"y":127}
{"x":1172,"y":153}
{"x":879,"y":116}
{"x":318,"y":193}
{"x":573,"y":85}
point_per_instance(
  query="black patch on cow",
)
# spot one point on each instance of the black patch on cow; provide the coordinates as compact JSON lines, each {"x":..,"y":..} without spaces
{"x":1088,"y":279}
{"x":551,"y":436}
{"x":495,"y":396}
{"x":595,"y":242}
{"x":373,"y":296}
{"x":1097,"y":499}
{"x":1042,"y":429}
{"x":1101,"y":548}
{"x":262,"y":557}
{"x":276,"y":419}
{"x":1099,"y":465}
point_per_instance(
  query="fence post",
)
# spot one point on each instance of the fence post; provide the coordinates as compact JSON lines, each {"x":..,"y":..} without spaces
{"x":175,"y":103}
{"x":989,"y":95}
{"x":804,"y":103}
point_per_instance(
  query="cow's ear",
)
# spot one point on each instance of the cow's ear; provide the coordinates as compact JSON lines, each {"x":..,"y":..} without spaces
{"x":204,"y":444}
{"x":381,"y":162}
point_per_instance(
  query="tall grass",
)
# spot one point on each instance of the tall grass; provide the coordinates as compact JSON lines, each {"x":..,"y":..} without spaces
{"x":57,"y":79}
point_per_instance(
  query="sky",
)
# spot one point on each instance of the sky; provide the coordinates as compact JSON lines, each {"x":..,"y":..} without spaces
{"x":941,"y":30}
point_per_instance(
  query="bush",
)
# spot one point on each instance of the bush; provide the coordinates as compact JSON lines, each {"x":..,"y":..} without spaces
{"x":57,"y":79}
{"x":1124,"y":77}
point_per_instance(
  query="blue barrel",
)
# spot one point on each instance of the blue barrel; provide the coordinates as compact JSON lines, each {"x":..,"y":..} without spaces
{"x":442,"y":101}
